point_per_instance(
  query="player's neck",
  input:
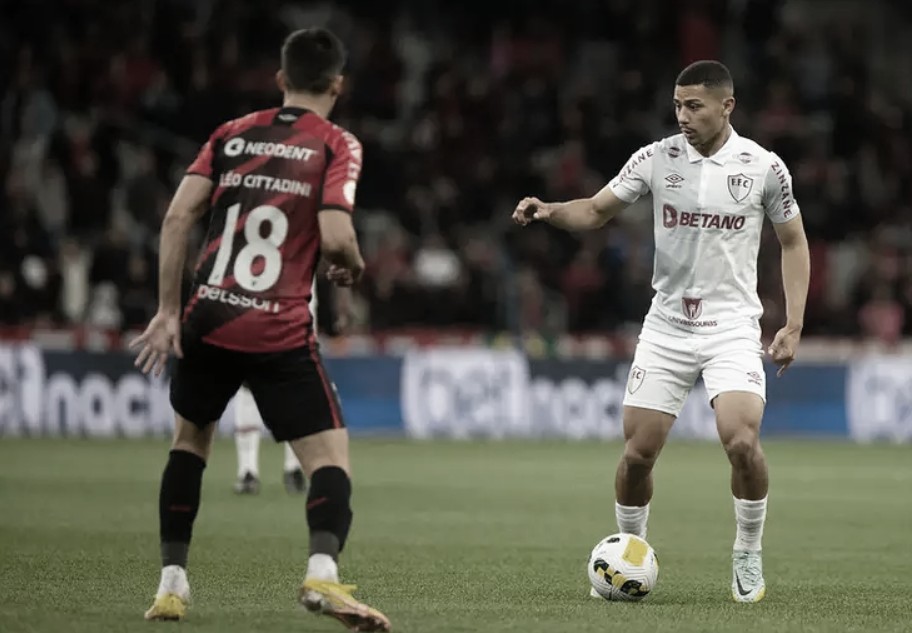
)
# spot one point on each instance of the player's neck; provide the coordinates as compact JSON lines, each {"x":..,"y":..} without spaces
{"x":320,"y":105}
{"x":714,"y":145}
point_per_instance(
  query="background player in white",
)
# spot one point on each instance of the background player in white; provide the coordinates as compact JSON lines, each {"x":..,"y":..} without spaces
{"x":248,"y":423}
{"x":711,"y":189}
{"x":248,"y":427}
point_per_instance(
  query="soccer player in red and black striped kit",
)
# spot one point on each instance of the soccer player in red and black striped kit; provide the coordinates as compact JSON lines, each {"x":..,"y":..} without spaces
{"x":281,"y":187}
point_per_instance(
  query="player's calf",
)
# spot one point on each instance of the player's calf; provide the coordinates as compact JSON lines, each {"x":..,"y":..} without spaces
{"x":633,"y":484}
{"x":177,"y":506}
{"x":750,"y":478}
{"x":645,"y":431}
{"x":738,"y":417}
{"x":329,"y":517}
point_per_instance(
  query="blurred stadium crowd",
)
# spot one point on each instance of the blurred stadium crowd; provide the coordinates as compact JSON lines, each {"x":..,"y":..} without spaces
{"x":103,"y":104}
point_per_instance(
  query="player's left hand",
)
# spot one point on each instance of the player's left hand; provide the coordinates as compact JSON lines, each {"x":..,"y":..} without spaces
{"x":783,"y":348}
{"x":345,"y":277}
{"x":160,"y":338}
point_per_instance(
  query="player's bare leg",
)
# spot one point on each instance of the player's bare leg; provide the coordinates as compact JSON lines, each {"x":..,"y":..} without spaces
{"x":738,"y":418}
{"x":178,"y":504}
{"x":645,"y":432}
{"x":324,"y":457}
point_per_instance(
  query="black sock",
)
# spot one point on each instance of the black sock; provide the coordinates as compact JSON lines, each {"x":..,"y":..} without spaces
{"x":329,"y":512}
{"x":178,"y":503}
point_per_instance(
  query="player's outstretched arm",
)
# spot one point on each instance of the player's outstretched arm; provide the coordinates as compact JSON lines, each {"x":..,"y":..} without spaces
{"x":796,"y":273}
{"x":576,"y":215}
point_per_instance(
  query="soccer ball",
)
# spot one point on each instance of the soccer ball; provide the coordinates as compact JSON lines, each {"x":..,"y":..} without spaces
{"x":623,"y":567}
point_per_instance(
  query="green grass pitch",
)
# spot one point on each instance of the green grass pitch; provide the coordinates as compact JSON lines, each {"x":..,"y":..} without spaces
{"x":458,"y":537}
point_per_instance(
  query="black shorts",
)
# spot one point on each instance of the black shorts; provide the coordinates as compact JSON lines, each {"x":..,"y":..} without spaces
{"x":292,"y":390}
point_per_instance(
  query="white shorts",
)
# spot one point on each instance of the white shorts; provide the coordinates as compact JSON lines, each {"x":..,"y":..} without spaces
{"x":666,"y":367}
{"x":246,"y":415}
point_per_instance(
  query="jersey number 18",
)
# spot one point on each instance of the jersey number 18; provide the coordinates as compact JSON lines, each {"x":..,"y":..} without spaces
{"x":257,"y":246}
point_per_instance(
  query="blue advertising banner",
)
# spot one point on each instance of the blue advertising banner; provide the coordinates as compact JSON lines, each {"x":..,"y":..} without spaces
{"x":490,"y":393}
{"x":456,"y":393}
{"x":86,"y":394}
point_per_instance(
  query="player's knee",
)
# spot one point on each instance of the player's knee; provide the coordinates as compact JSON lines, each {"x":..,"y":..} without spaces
{"x":191,"y":438}
{"x":640,"y":456}
{"x":741,"y":447}
{"x":329,"y":502}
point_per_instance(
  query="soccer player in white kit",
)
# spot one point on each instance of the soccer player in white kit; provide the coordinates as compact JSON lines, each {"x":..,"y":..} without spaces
{"x":248,"y":423}
{"x":248,"y":428}
{"x":711,"y":189}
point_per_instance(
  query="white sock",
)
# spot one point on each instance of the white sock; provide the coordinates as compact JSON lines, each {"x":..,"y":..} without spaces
{"x":248,"y":452}
{"x":322,"y":567}
{"x":174,"y":580}
{"x":291,"y":460}
{"x":632,"y":519}
{"x":749,"y":515}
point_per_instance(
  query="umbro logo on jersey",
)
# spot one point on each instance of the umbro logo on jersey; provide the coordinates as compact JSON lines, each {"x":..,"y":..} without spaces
{"x":674,"y":181}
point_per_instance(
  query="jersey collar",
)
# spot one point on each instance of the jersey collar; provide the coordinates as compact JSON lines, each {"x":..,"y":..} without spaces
{"x":719,"y":157}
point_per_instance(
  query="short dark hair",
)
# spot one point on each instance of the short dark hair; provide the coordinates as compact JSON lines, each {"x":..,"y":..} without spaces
{"x":707,"y":72}
{"x":311,"y":59}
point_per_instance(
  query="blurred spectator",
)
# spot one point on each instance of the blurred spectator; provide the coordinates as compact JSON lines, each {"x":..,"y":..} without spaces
{"x":138,"y":301}
{"x":74,"y":264}
{"x":460,"y":117}
{"x":11,"y":312}
{"x":103,"y":311}
{"x":882,"y":316}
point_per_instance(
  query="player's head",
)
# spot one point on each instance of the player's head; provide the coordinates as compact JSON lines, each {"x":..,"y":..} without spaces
{"x":703,"y":101}
{"x":312,"y":63}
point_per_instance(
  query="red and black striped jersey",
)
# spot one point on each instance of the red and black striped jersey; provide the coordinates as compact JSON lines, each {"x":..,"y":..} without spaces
{"x":273,"y":171}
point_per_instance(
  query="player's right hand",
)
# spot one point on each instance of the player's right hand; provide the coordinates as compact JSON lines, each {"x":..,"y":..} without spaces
{"x":160,"y":338}
{"x":345,"y":277}
{"x":530,"y":209}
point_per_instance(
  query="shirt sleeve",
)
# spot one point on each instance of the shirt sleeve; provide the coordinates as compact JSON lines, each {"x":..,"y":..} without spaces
{"x":342,"y":173}
{"x":778,"y":195}
{"x":204,"y":163}
{"x":635,"y":179}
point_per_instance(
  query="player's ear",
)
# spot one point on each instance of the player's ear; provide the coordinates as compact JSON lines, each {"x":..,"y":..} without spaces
{"x":728,"y":104}
{"x":280,"y":80}
{"x":337,"y":85}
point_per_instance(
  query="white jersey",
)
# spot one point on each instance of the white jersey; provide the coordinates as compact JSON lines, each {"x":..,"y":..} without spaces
{"x":708,"y":217}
